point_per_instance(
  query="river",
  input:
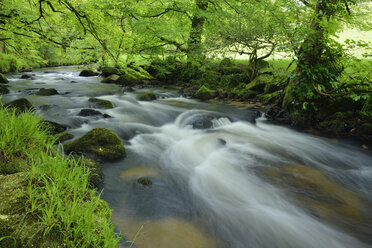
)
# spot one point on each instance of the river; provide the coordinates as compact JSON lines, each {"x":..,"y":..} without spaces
{"x":222,"y":176}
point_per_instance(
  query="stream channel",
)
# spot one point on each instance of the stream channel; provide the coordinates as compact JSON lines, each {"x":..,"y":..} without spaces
{"x":222,"y":176}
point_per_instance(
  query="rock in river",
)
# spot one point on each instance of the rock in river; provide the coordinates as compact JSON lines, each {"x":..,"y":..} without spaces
{"x":100,"y":142}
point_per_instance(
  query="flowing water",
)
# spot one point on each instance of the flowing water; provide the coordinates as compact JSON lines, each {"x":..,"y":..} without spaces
{"x":221,"y":176}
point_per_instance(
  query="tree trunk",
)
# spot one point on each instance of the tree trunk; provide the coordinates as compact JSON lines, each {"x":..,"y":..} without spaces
{"x":194,"y":43}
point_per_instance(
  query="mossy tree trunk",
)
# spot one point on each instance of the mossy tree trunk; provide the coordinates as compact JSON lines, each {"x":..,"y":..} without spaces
{"x":194,"y":43}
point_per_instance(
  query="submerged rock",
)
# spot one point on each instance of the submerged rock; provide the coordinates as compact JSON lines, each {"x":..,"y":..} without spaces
{"x":3,"y":79}
{"x":21,"y":105}
{"x":148,"y":96}
{"x":204,"y":93}
{"x":110,"y":79}
{"x":100,"y":103}
{"x":145,"y":181}
{"x":88,"y":73}
{"x":92,"y":112}
{"x":100,"y":142}
{"x":47,"y":92}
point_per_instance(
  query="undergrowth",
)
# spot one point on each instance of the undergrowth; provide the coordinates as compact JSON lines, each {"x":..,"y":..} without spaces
{"x":59,"y":206}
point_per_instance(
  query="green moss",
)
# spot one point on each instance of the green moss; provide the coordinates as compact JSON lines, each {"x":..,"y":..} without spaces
{"x":270,"y":97}
{"x":100,"y":103}
{"x":108,"y":70}
{"x":3,"y":79}
{"x":21,"y":105}
{"x":259,"y":83}
{"x":62,"y":137}
{"x":100,"y":142}
{"x":148,"y":96}
{"x":204,"y":93}
{"x":112,"y":79}
{"x":88,"y":73}
{"x":54,"y":127}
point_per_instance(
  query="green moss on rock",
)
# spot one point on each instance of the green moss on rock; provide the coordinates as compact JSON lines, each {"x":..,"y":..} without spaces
{"x":3,"y":79}
{"x":148,"y":96}
{"x":62,"y":137}
{"x":204,"y":93}
{"x":112,"y":79}
{"x":21,"y":105}
{"x":47,"y":92}
{"x":54,"y":127}
{"x":88,"y":73}
{"x":100,"y":142}
{"x":108,"y":70}
{"x":259,"y":83}
{"x":100,"y":103}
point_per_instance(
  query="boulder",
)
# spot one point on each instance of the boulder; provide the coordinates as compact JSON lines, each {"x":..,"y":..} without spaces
{"x":54,"y":127}
{"x":148,"y":96}
{"x":62,"y":137}
{"x":108,"y":70}
{"x":47,"y":92}
{"x":259,"y":83}
{"x":88,"y":73}
{"x":110,"y":79}
{"x":92,"y":112}
{"x":128,"y":80}
{"x":100,"y":142}
{"x":204,"y":93}
{"x":3,"y":79}
{"x":26,"y":76}
{"x":21,"y":105}
{"x":100,"y":103}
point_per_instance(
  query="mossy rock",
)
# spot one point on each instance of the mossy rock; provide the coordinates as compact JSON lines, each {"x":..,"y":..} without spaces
{"x":12,"y":165}
{"x":259,"y":83}
{"x":47,"y":92}
{"x":92,"y":112}
{"x":270,"y":97}
{"x":230,"y":70}
{"x":62,"y":137}
{"x":204,"y":93}
{"x":262,"y":64}
{"x":101,"y":103}
{"x":108,"y":70}
{"x":112,"y":79}
{"x":129,"y":80}
{"x":147,"y":96}
{"x":100,"y":142}
{"x":226,"y":62}
{"x":3,"y":79}
{"x":3,"y":89}
{"x":54,"y":127}
{"x":26,"y":76}
{"x":88,"y":73}
{"x":334,"y":127}
{"x":21,"y":105}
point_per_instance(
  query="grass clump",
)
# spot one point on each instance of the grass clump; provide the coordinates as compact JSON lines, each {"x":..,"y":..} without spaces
{"x":54,"y":205}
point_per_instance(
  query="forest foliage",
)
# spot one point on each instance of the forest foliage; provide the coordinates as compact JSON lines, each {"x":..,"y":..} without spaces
{"x":115,"y":32}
